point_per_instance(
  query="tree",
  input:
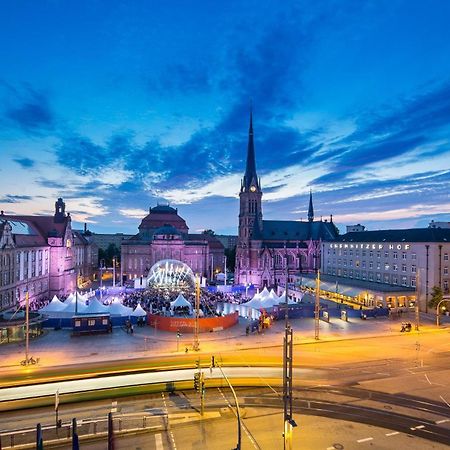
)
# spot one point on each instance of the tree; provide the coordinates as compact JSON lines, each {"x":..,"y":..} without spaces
{"x":111,"y":252}
{"x":436,"y":296}
{"x":230,"y":253}
{"x":210,"y":232}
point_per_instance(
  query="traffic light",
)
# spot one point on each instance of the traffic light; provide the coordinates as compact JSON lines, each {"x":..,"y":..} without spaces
{"x":197,"y":381}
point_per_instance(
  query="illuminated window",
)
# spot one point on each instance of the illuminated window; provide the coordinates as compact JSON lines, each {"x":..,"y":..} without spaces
{"x":68,"y":243}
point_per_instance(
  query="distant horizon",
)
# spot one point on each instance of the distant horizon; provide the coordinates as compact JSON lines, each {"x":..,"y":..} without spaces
{"x":115,"y":107}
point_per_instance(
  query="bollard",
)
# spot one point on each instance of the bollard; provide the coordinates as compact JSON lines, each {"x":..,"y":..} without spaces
{"x":144,"y":420}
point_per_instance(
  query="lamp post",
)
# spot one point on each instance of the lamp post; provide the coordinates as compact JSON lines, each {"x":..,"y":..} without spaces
{"x":114,"y":271}
{"x":289,"y":423}
{"x":196,"y":344}
{"x":317,"y":308}
{"x":238,"y":411}
{"x":225,"y":269}
{"x":438,"y":320}
{"x":27,"y":327}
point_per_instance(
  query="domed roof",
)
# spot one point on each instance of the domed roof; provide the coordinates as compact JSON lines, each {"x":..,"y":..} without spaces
{"x":163,"y":209}
{"x":167,"y":229}
{"x":161,"y":216}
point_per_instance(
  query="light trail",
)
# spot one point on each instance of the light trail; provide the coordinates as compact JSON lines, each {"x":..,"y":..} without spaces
{"x":119,"y":381}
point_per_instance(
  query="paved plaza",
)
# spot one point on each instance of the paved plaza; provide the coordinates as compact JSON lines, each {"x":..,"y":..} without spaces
{"x":59,"y":347}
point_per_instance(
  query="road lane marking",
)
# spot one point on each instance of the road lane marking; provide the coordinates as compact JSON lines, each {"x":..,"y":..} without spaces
{"x":392,"y":434}
{"x":359,"y":441}
{"x":445,"y":401}
{"x":158,"y":442}
{"x":419,"y":427}
{"x":426,"y":376}
{"x":442,"y":421}
{"x":169,"y":431}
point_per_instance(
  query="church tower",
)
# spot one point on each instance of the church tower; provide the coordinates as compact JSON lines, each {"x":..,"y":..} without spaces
{"x":250,"y":212}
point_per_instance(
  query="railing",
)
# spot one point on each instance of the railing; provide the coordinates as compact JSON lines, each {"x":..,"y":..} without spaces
{"x":87,"y":429}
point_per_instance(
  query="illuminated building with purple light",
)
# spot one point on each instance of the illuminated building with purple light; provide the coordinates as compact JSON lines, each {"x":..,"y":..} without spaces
{"x":42,"y":255}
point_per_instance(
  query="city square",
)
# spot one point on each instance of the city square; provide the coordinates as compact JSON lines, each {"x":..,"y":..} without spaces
{"x":225,"y":226}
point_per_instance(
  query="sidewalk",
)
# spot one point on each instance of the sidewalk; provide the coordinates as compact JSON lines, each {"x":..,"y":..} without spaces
{"x":56,"y":348}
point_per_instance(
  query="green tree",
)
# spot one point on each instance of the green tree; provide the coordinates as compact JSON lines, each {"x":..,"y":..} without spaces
{"x":436,"y":297}
{"x":210,"y":232}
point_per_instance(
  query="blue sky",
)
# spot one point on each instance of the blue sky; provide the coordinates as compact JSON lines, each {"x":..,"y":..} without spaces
{"x":118,"y":105}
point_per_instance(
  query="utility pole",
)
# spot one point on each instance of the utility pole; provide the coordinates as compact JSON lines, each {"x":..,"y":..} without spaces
{"x":199,"y":386}
{"x":114,"y":271}
{"x":417,"y":305}
{"x":196,"y":345}
{"x":289,"y":423}
{"x":317,"y":308}
{"x":225,"y":270}
{"x":27,"y":327}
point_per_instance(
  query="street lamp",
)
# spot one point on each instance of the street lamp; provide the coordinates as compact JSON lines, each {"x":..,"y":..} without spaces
{"x":438,"y":320}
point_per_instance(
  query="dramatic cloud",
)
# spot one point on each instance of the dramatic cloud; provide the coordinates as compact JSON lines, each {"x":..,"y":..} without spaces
{"x":26,"y":163}
{"x":30,"y":111}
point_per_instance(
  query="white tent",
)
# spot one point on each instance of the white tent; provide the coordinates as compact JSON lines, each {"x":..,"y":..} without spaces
{"x":56,"y":305}
{"x":95,"y":307}
{"x":264,"y":293}
{"x":180,"y":301}
{"x":70,"y":302}
{"x":139,"y":311}
{"x":117,"y":309}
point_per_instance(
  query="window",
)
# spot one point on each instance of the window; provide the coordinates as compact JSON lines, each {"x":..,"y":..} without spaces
{"x":370,"y":265}
{"x":363,"y":265}
{"x":91,"y":322}
{"x":404,"y":281}
{"x":378,"y":265}
{"x":413,"y":281}
{"x":413,"y":268}
{"x":371,"y":254}
{"x":445,"y":270}
{"x":403,"y":255}
{"x":445,"y":256}
{"x":78,"y":323}
{"x":403,"y":267}
{"x":386,"y":254}
{"x":395,"y":267}
{"x":350,"y":263}
{"x":394,"y":280}
{"x":378,"y":276}
{"x":395,"y":255}
{"x":363,"y":253}
{"x":378,"y":254}
{"x":386,"y":266}
{"x":413,"y":256}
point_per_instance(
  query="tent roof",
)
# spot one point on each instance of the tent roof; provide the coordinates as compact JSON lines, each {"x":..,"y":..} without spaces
{"x":54,"y":305}
{"x":180,"y":301}
{"x":95,"y":307}
{"x":139,"y":311}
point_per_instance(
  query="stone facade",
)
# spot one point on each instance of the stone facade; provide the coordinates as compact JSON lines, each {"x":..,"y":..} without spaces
{"x":163,"y":234}
{"x":41,"y":255}
{"x":267,"y":249}
{"x":392,"y":258}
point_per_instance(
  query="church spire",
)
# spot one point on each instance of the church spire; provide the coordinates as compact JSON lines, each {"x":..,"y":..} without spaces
{"x":250,"y":177}
{"x":310,"y":209}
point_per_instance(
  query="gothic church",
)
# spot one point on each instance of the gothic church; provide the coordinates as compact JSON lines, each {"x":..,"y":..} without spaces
{"x":265,"y":246}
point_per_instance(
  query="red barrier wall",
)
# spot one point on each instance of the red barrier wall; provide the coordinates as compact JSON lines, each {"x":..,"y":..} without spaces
{"x":187,"y":325}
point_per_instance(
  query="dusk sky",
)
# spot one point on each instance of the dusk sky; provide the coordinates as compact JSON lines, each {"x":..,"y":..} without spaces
{"x":118,"y":105}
